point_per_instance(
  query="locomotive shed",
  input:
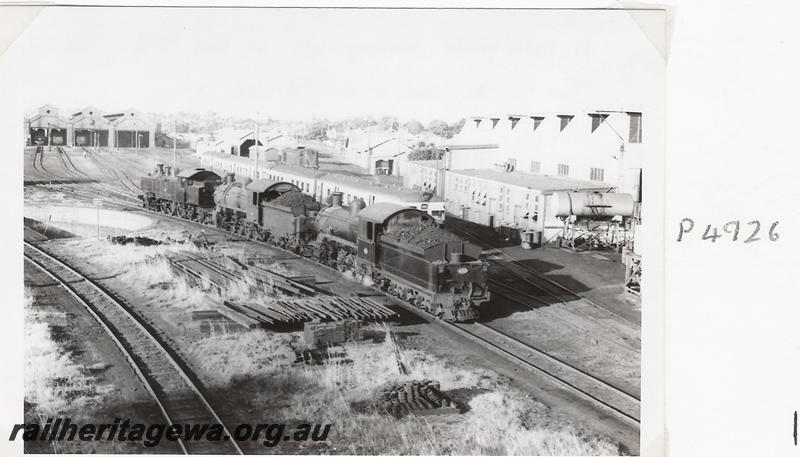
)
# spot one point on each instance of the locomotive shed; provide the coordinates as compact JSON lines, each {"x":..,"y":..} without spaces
{"x":556,"y":327}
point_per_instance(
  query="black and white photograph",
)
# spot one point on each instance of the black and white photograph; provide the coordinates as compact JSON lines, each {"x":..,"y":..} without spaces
{"x":369,"y":230}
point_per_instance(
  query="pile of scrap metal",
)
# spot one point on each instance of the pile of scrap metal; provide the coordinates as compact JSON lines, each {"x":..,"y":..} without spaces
{"x":416,"y":397}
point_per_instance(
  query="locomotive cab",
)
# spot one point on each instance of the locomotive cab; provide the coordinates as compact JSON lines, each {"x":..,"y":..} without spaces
{"x":438,"y":270}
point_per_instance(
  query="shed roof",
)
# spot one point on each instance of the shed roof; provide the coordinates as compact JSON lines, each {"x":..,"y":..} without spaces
{"x":298,"y":171}
{"x":531,"y":180}
{"x":368,"y":184}
{"x":380,"y":212}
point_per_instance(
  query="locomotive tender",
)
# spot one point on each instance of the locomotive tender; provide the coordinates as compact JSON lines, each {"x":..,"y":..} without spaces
{"x":401,"y":250}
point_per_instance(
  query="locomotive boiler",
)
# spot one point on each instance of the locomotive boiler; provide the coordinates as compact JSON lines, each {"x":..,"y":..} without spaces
{"x":188,"y":194}
{"x":265,"y":210}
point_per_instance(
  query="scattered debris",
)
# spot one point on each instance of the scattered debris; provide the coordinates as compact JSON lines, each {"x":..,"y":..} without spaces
{"x":137,"y":240}
{"x":416,"y":397}
{"x":327,"y":333}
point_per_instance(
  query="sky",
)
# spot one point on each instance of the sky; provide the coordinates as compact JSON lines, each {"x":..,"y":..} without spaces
{"x":306,"y":63}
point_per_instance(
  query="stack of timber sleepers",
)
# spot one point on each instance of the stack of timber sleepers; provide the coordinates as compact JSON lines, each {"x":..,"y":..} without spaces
{"x":297,"y":303}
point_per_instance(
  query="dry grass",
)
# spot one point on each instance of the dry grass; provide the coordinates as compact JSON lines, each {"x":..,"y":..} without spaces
{"x":53,"y":383}
{"x":227,"y":358}
{"x":500,"y":420}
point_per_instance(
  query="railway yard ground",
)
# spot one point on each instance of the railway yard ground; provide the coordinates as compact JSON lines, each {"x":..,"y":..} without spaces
{"x":562,"y":311}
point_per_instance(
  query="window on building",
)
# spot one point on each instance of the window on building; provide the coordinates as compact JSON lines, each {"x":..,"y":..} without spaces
{"x":537,"y":121}
{"x":565,"y":120}
{"x":563,"y":170}
{"x":596,"y":174}
{"x":514,"y":121}
{"x":635,"y":132}
{"x":597,"y":119}
{"x":536,"y":166}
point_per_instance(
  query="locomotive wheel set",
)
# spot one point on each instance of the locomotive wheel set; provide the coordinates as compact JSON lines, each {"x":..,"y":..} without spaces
{"x":400,"y":250}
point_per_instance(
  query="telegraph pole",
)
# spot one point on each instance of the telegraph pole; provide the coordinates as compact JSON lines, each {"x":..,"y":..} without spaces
{"x":257,"y":148}
{"x":175,"y":146}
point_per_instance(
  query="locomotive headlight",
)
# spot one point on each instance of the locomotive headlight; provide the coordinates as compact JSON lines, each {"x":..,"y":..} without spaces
{"x":462,"y":270}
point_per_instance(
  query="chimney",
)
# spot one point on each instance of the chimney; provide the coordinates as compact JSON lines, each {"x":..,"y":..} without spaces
{"x":160,"y":168}
{"x":167,"y":170}
{"x":176,"y":171}
{"x":336,"y":199}
{"x":356,"y":206}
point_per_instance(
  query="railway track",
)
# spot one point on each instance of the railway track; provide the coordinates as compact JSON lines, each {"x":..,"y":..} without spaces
{"x":513,"y":294}
{"x":40,"y":169}
{"x":126,"y":182}
{"x":588,"y":386}
{"x":168,"y":382}
{"x":612,"y":333}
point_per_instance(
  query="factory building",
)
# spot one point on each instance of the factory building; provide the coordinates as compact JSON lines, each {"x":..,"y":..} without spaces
{"x":241,"y":142}
{"x":601,"y":145}
{"x":497,"y":198}
{"x":91,"y":127}
{"x":381,"y":153}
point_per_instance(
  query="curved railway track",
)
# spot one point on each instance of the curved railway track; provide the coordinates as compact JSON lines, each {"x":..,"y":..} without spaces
{"x":598,"y":391}
{"x":126,"y":182}
{"x":512,"y":293}
{"x":168,"y":382}
{"x":513,"y":264}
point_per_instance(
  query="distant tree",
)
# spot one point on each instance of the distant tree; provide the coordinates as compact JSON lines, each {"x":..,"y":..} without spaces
{"x":438,"y":127}
{"x":425,"y":152}
{"x":414,"y":127}
{"x":388,"y":123}
{"x":318,"y":131}
{"x":455,"y":129}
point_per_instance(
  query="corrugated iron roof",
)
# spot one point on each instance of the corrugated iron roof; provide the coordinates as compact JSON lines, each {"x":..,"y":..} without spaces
{"x":531,"y":180}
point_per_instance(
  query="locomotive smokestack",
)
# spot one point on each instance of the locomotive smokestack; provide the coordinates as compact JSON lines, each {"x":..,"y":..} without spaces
{"x":229,"y":178}
{"x":168,"y":170}
{"x":336,"y":199}
{"x":356,"y":206}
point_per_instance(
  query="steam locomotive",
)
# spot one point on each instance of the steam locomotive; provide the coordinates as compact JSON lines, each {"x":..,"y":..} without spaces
{"x":401,"y":250}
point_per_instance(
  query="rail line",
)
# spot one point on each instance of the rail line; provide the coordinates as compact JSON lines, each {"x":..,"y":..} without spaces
{"x":511,"y":292}
{"x":511,"y":261}
{"x":169,"y":383}
{"x":127,"y":183}
{"x":39,"y":152}
{"x":613,"y":329}
{"x":574,"y":379}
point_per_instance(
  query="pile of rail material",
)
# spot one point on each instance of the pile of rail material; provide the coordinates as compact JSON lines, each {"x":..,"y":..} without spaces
{"x":416,"y":397}
{"x":294,"y":301}
{"x":318,"y":334}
